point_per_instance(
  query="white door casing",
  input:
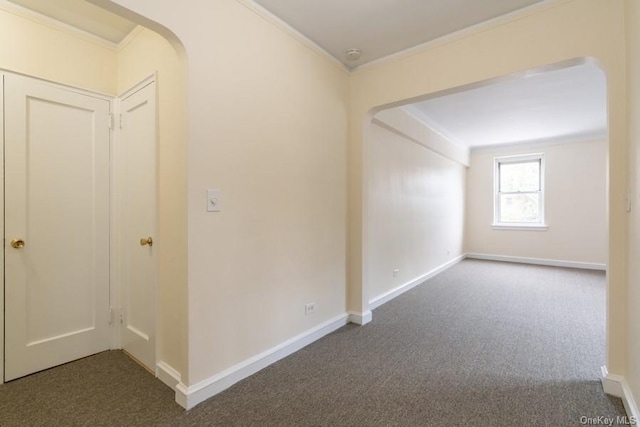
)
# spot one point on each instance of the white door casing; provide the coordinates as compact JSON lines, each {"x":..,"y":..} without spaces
{"x":138,"y":146}
{"x":2,"y":224}
{"x":57,"y":201}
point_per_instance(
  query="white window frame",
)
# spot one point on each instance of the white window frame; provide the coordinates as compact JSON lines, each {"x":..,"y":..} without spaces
{"x":497,"y":223}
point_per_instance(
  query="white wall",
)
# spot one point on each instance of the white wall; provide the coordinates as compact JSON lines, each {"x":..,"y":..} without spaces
{"x":632,"y":16}
{"x":416,"y":210}
{"x":575,"y":205}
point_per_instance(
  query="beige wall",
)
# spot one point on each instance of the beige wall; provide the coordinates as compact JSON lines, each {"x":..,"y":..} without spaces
{"x":41,"y":51}
{"x":575,"y":205}
{"x":549,"y":34}
{"x":416,"y":206}
{"x":145,"y":54}
{"x":632,"y":16}
{"x":268,"y":127}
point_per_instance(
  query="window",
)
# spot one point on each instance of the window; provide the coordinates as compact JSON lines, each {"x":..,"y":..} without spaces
{"x":519,"y":191}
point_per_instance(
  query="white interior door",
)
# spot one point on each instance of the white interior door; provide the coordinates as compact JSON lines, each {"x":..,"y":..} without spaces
{"x":56,"y":225}
{"x":138,"y":136}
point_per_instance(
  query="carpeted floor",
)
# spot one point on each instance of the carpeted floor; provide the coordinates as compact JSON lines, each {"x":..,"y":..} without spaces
{"x":482,"y":344}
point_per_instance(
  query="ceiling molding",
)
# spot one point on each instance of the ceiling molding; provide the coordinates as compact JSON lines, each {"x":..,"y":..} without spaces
{"x":288,"y":29}
{"x":39,"y":18}
{"x":460,"y":34}
{"x":129,"y":37}
{"x":554,"y":140}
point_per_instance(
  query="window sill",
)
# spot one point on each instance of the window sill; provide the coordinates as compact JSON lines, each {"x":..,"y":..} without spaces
{"x":522,"y":227}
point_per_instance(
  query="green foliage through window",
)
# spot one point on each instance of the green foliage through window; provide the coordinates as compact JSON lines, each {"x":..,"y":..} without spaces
{"x":519,"y":190}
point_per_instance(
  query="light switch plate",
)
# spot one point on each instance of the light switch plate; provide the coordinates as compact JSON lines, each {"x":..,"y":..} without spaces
{"x":214,"y":200}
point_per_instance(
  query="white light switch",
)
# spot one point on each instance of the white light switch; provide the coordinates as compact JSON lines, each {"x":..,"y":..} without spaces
{"x":214,"y":200}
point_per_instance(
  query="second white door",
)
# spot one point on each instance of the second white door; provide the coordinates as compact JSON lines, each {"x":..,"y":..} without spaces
{"x":138,"y":122}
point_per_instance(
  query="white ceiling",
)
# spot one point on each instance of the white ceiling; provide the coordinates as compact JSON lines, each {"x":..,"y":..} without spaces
{"x":565,"y":103}
{"x":83,"y":15}
{"x":382,"y":27}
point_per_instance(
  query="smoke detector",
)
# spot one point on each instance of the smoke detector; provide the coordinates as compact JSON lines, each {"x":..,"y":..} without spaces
{"x":353,"y":54}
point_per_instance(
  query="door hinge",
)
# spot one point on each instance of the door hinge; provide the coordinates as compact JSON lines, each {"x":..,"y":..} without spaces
{"x":116,"y":121}
{"x":112,"y":316}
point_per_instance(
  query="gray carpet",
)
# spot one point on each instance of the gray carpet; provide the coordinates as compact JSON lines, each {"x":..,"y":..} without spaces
{"x":482,"y":344}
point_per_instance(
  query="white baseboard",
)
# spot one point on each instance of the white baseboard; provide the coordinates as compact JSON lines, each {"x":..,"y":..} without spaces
{"x":388,"y":296}
{"x":168,"y":375}
{"x":190,"y":396}
{"x":616,"y":385}
{"x":540,"y":261}
{"x":360,"y":318}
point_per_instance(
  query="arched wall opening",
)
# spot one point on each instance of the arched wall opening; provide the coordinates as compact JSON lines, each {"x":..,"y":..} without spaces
{"x":428,"y":202}
{"x":552,"y":35}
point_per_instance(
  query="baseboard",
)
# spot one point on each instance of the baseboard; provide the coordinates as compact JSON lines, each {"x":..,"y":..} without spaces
{"x":168,"y":375}
{"x":190,"y":396}
{"x":539,"y":261}
{"x":616,"y":385}
{"x":388,"y":296}
{"x":360,"y":318}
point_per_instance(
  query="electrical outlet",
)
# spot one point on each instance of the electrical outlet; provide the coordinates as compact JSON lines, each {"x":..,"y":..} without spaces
{"x":310,"y":308}
{"x":396,"y":272}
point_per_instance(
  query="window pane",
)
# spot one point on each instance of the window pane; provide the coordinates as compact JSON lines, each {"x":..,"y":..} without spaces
{"x":519,"y":208}
{"x":520,"y":176}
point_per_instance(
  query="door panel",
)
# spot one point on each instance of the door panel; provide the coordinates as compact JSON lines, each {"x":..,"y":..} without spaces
{"x":57,"y":202}
{"x":139,"y":146}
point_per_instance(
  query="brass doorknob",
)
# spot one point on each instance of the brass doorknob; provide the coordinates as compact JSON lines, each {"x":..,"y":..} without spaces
{"x":17,"y":243}
{"x":147,"y":241}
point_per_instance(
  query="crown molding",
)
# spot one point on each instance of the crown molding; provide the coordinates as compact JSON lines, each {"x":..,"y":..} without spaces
{"x":39,"y":18}
{"x":589,"y":136}
{"x":129,"y":37}
{"x":52,"y":23}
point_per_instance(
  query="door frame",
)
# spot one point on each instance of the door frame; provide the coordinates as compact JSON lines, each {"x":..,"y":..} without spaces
{"x":113,"y":284}
{"x":2,"y":74}
{"x":117,"y":210}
